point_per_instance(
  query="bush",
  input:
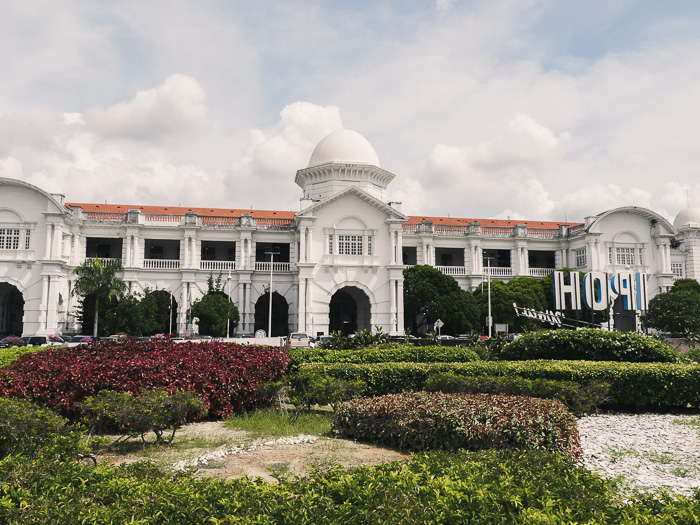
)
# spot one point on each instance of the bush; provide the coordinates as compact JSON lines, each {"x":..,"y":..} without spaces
{"x":311,"y":389}
{"x":635,"y":386}
{"x":11,"y":354}
{"x":152,"y":410}
{"x":26,"y":429}
{"x":225,"y":375}
{"x":433,"y":420}
{"x":579,"y":398}
{"x":478,"y":488}
{"x":590,"y":345}
{"x":401,"y":354}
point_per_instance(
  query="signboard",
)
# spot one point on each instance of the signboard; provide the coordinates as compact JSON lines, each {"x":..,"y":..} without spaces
{"x":260,"y":333}
{"x":600,"y":290}
{"x":554,"y":318}
{"x":439,"y":323}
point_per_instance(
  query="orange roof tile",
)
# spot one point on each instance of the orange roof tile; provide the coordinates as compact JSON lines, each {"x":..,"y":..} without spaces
{"x":502,"y":223}
{"x":181,"y":210}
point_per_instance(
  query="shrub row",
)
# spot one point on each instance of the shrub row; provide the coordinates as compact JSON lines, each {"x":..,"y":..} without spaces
{"x":225,"y":375}
{"x":578,"y":398}
{"x":9,"y":355}
{"x":32,"y":431}
{"x":432,"y":420}
{"x":436,"y":487}
{"x":590,"y":345}
{"x":635,"y":386}
{"x":401,"y":354}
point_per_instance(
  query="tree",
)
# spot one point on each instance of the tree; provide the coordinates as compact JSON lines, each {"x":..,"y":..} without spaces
{"x":100,"y":279}
{"x":678,"y":310}
{"x":134,"y":314}
{"x":502,"y":309}
{"x":214,"y":309}
{"x":430,"y":295}
{"x":527,"y":292}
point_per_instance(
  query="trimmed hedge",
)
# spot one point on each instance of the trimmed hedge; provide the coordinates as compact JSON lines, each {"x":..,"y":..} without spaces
{"x":590,"y":345}
{"x":478,"y":488}
{"x":403,"y":354}
{"x":578,"y":398}
{"x":433,"y":420}
{"x":11,"y":354}
{"x":635,"y":386}
{"x":225,"y":375}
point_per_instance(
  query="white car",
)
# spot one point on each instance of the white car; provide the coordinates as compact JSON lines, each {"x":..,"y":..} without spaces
{"x":299,"y":340}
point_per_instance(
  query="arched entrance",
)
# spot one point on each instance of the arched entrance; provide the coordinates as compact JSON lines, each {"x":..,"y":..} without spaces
{"x":280,"y":314}
{"x":350,"y":311}
{"x":11,"y":310}
{"x":165,"y":311}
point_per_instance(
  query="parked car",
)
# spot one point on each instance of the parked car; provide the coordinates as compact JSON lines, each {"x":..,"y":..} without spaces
{"x":79,"y":340}
{"x":10,"y":340}
{"x":299,"y":340}
{"x":445,"y":337}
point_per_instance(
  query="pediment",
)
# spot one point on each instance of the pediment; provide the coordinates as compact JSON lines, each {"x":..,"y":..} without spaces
{"x":358,"y":193}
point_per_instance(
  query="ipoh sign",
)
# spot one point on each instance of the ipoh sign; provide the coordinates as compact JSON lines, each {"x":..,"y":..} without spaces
{"x":600,"y":290}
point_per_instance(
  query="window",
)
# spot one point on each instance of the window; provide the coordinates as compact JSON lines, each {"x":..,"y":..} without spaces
{"x":580,"y":258}
{"x":641,"y":256}
{"x":369,"y":245}
{"x":677,"y":270}
{"x":330,"y":244}
{"x":625,"y":256}
{"x":9,"y":239}
{"x":350,"y":244}
{"x":27,"y":238}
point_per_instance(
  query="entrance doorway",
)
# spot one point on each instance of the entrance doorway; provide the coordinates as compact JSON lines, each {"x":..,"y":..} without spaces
{"x":350,"y":311}
{"x":11,"y":310}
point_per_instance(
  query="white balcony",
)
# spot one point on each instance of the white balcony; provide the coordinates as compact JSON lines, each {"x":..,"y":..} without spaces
{"x":161,"y":264}
{"x":498,"y":272}
{"x":539,"y":272}
{"x":276,"y":267}
{"x":217,"y":265}
{"x":453,"y":270}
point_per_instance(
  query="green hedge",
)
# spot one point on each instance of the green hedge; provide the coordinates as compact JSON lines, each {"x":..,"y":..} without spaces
{"x":590,"y":345}
{"x":434,"y":420}
{"x":635,"y":386}
{"x":435,"y":487}
{"x":402,"y":354}
{"x":11,"y":354}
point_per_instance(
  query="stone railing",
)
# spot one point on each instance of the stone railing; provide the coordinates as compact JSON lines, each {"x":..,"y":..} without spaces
{"x":519,"y":230}
{"x":161,"y":264}
{"x":452,"y":270}
{"x":495,"y":271}
{"x":217,"y":265}
{"x":276,"y":267}
{"x":539,"y":272}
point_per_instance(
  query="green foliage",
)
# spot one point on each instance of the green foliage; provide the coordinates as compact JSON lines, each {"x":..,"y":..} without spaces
{"x":478,"y":488}
{"x":33,"y":431}
{"x":579,"y":398}
{"x":213,"y":310}
{"x":309,"y":389}
{"x":152,"y":410}
{"x":400,"y":354}
{"x":677,"y":311}
{"x":526,"y":292}
{"x":12,"y":353}
{"x":430,"y":295}
{"x":591,"y":345}
{"x":502,"y":309}
{"x":433,"y":420}
{"x":274,"y":423}
{"x":635,"y":386}
{"x":99,"y":279}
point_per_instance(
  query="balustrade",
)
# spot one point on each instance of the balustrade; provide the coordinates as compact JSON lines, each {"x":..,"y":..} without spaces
{"x":217,"y":265}
{"x":276,"y":267}
{"x":161,"y":264}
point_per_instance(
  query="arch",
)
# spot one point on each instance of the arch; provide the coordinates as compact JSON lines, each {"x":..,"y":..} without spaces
{"x":4,"y":181}
{"x":628,"y":237}
{"x":166,"y":311}
{"x":350,"y":223}
{"x":11,"y":310}
{"x":350,"y":310}
{"x":651,"y":215}
{"x":10,"y":216}
{"x":280,"y":314}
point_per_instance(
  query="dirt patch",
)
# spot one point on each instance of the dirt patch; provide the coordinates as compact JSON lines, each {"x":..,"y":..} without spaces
{"x":221,"y":452}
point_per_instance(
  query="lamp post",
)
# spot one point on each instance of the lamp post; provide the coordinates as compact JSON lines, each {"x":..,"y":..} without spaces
{"x":269,"y":313}
{"x":488,"y":279}
{"x":228,"y":296}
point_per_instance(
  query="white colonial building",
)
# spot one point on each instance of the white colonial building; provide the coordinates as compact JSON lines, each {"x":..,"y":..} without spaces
{"x":334,"y":265}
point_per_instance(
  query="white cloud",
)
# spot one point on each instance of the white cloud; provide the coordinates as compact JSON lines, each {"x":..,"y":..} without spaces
{"x":175,"y":107}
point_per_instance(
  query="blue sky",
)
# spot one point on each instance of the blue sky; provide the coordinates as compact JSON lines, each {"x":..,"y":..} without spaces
{"x":521,"y":109}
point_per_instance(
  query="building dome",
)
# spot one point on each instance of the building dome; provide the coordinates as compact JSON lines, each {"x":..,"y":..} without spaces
{"x":688,"y":218}
{"x":344,"y":147}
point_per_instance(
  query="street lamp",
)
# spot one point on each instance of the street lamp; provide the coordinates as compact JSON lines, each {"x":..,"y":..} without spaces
{"x":488,"y":280}
{"x":269,"y":313}
{"x":228,"y":296}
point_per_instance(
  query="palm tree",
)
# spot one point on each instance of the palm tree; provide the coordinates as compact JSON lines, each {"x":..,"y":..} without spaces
{"x":96,"y":277}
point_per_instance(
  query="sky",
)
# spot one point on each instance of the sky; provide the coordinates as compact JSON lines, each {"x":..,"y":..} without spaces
{"x":521,"y":109}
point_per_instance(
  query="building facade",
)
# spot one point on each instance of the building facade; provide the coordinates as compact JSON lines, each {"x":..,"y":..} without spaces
{"x":336,"y":264}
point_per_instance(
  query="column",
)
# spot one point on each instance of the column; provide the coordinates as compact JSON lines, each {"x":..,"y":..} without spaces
{"x":302,"y":245}
{"x":394,"y":248}
{"x":309,"y":244}
{"x":399,"y":244}
{"x":399,"y":306}
{"x":47,"y":247}
{"x":127,"y":255}
{"x":56,"y":250}
{"x":302,"y":304}
{"x":392,"y":304}
{"x":44,"y":302}
{"x":76,"y":249}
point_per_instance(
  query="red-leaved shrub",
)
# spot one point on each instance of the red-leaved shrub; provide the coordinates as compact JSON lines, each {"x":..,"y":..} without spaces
{"x":432,"y":420}
{"x":225,"y":375}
